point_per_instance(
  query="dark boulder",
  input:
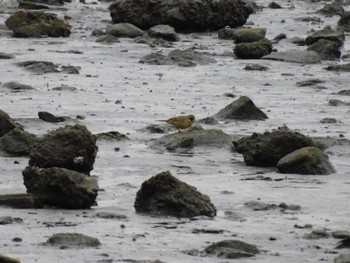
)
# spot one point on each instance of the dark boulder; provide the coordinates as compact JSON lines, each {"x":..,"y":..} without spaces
{"x":186,"y":15}
{"x":165,"y":195}
{"x":16,"y":86}
{"x":326,"y":33}
{"x":328,"y":50}
{"x":18,"y":142}
{"x":266,"y":149}
{"x":253,"y":50}
{"x":232,"y":249}
{"x":307,"y":160}
{"x":72,"y":240}
{"x":344,"y":22}
{"x":71,"y":147}
{"x":164,"y":32}
{"x":22,"y":201}
{"x":6,"y":259}
{"x":6,"y":123}
{"x":241,"y":109}
{"x":37,"y":24}
{"x":49,"y":117}
{"x":61,"y":187}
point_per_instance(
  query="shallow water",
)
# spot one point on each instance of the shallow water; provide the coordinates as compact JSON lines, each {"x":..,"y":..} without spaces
{"x":148,"y":93}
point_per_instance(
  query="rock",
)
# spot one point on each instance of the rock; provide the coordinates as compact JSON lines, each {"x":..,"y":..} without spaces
{"x":344,"y":243}
{"x":17,"y":87}
{"x":328,"y":50}
{"x":343,"y":258}
{"x":248,"y":35}
{"x":49,"y":2}
{"x":124,"y":30}
{"x":309,"y":82}
{"x":107,"y":215}
{"x":163,"y":31}
{"x":256,"y":67}
{"x":39,"y":67}
{"x":344,"y":22}
{"x":328,"y":34}
{"x":185,"y":58}
{"x":22,"y":201}
{"x":6,"y":56}
{"x":49,"y":117}
{"x":344,"y":92}
{"x":61,"y":187}
{"x":69,"y":69}
{"x":18,"y":142}
{"x":189,"y":15}
{"x":341,"y":234}
{"x":72,"y":240}
{"x":71,"y":147}
{"x":31,"y":5}
{"x":279,"y":37}
{"x":317,"y":234}
{"x":192,"y":138}
{"x":297,"y":56}
{"x":335,"y":102}
{"x":165,"y":195}
{"x":6,"y":123}
{"x":6,"y":220}
{"x":241,"y":109}
{"x":266,"y":149}
{"x":274,"y":5}
{"x":335,"y":8}
{"x":232,"y":249}
{"x":5,"y":259}
{"x":112,"y":136}
{"x":341,"y":67}
{"x":307,"y":160}
{"x":108,"y":39}
{"x":37,"y":24}
{"x":328,"y":120}
{"x":253,"y":50}
{"x":260,"y":206}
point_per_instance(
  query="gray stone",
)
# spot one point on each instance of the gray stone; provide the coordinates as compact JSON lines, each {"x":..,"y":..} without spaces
{"x":124,"y":30}
{"x":165,"y":32}
{"x":343,"y":258}
{"x":307,"y":160}
{"x":21,"y":201}
{"x":108,"y":39}
{"x":39,"y":67}
{"x":6,"y":123}
{"x":72,"y":240}
{"x":328,"y":34}
{"x":256,"y":67}
{"x":232,"y":249}
{"x":344,"y":21}
{"x":340,"y":67}
{"x":297,"y":56}
{"x":241,"y":109}
{"x":18,"y":142}
{"x":328,"y":50}
{"x":16,"y":86}
{"x":61,"y":187}
{"x":71,"y":147}
{"x":335,"y":8}
{"x":165,"y":195}
{"x":253,"y":50}
{"x":266,"y":149}
{"x":6,"y":56}
{"x":186,"y":15}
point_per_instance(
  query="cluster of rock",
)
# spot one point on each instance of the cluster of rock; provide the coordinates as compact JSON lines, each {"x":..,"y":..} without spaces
{"x":290,"y":152}
{"x":59,"y":166}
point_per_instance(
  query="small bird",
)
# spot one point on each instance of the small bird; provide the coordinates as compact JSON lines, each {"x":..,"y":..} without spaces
{"x":181,"y":122}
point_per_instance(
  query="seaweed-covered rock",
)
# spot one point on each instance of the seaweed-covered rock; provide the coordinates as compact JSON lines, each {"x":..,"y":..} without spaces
{"x":245,"y":35}
{"x":22,"y":201}
{"x":124,"y":30}
{"x":344,"y":22}
{"x":328,"y":50}
{"x":232,"y":249}
{"x":192,"y":138}
{"x":241,"y":109}
{"x":335,"y":8}
{"x":307,"y":160}
{"x":71,"y":147}
{"x":37,"y":24}
{"x":297,"y":56}
{"x":253,"y":50}
{"x":165,"y":195}
{"x":188,"y":15}
{"x":266,"y":149}
{"x":17,"y":142}
{"x":6,"y":123}
{"x":165,"y":32}
{"x":61,"y":187}
{"x":326,"y":33}
{"x":72,"y":240}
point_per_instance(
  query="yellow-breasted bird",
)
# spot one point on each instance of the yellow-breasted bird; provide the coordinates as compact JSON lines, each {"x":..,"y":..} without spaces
{"x":181,"y":122}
